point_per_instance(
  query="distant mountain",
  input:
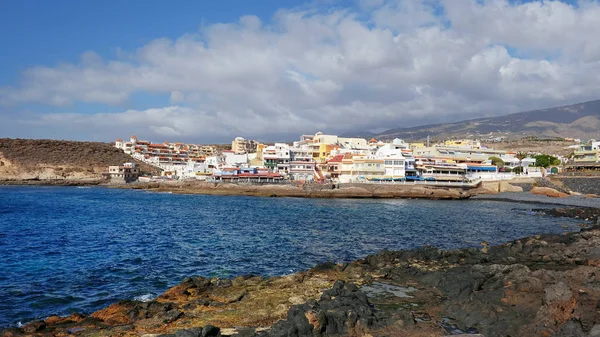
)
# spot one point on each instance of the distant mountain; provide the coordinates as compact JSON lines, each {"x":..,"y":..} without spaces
{"x":358,"y":134}
{"x":580,"y":120}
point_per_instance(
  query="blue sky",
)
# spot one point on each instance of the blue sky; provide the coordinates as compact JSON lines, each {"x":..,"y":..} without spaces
{"x":327,"y":65}
{"x":49,"y":32}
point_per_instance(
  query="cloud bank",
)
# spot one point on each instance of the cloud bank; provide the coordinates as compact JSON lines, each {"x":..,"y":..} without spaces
{"x":378,"y":64}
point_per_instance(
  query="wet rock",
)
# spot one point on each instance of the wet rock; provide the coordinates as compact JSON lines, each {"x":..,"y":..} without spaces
{"x":34,"y":327}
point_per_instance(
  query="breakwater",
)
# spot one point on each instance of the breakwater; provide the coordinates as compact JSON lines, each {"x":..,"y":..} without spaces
{"x":584,"y":185}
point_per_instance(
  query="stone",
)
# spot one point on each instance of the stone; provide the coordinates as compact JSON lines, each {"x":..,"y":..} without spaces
{"x":557,"y":292}
{"x":295,"y":300}
{"x":595,"y":331}
{"x":506,"y":187}
{"x":191,"y":332}
{"x":549,"y":192}
{"x":34,"y":327}
{"x":210,"y":331}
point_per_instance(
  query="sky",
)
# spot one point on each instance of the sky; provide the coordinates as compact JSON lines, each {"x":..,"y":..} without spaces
{"x":209,"y":71}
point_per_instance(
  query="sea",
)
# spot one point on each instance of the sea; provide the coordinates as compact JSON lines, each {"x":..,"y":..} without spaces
{"x":70,"y":249}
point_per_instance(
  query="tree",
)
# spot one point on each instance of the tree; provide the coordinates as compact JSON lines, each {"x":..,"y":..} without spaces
{"x":518,"y":170}
{"x":545,"y":161}
{"x":497,"y":161}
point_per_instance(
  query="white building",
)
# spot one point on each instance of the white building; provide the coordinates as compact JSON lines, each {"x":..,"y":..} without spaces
{"x":277,"y":157}
{"x":233,"y":159}
{"x":393,"y":159}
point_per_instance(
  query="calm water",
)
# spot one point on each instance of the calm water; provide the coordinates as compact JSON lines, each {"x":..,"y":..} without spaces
{"x":66,"y":249}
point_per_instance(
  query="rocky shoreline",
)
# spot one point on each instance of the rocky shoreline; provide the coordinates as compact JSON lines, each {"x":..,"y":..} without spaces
{"x":549,"y":187}
{"x":308,"y":190}
{"x":54,"y":182}
{"x":545,"y":285}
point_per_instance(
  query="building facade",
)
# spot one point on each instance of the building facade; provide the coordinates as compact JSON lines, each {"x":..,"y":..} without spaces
{"x":124,"y":173}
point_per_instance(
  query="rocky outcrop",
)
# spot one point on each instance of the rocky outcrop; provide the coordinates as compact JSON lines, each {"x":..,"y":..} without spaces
{"x":311,"y":190}
{"x":545,"y":285}
{"x":549,"y":192}
{"x":507,"y":187}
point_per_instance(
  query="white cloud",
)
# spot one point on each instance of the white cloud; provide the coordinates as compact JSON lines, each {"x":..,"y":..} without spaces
{"x":387,"y":64}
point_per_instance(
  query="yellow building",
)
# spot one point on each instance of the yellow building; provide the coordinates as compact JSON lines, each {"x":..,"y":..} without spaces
{"x":416,"y":145}
{"x":325,"y":151}
{"x":259,"y":151}
{"x":473,"y":144}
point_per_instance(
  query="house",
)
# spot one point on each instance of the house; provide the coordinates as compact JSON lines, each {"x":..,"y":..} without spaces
{"x":277,"y":157}
{"x":334,"y":166}
{"x":394,"y":160}
{"x":124,"y":173}
{"x":361,"y":168}
{"x":303,"y":170}
{"x":587,"y":155}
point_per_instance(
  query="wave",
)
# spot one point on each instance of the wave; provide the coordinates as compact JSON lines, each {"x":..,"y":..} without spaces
{"x":145,"y":298}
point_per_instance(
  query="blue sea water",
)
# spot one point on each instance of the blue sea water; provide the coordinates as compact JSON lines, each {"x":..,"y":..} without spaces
{"x":67,"y":249}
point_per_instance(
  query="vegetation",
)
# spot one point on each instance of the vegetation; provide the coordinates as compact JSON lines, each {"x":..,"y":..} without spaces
{"x":518,"y":170}
{"x":497,"y":161}
{"x":545,"y":161}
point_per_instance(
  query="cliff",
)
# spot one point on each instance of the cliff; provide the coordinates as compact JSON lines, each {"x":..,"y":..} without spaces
{"x":58,"y":161}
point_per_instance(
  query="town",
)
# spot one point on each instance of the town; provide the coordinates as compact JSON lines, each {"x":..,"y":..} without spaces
{"x":322,"y":158}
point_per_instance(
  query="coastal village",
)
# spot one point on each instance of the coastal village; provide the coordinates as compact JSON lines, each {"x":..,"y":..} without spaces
{"x":323,"y":158}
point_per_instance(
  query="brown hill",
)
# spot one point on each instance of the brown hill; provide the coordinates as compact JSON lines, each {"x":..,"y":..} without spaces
{"x":574,"y":121}
{"x":58,"y":160}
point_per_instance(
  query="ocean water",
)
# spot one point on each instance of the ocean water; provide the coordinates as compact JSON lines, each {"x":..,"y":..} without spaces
{"x":67,"y":249}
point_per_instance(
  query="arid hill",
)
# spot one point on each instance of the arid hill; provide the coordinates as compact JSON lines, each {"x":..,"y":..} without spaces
{"x":574,"y":121}
{"x":45,"y":160}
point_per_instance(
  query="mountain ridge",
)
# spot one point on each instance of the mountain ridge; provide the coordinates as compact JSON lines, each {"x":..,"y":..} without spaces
{"x":580,"y":120}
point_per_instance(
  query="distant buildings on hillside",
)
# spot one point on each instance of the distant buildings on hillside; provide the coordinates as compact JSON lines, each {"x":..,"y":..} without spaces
{"x":323,"y":157}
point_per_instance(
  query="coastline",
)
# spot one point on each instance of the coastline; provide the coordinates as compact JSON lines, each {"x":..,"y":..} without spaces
{"x":54,"y":182}
{"x":361,"y":191}
{"x":541,"y":285}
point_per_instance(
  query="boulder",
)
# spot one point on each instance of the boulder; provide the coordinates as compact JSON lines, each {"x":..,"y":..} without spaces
{"x":549,"y":192}
{"x":506,"y":187}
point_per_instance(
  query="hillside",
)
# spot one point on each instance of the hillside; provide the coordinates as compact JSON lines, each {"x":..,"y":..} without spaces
{"x":45,"y":160}
{"x":576,"y":121}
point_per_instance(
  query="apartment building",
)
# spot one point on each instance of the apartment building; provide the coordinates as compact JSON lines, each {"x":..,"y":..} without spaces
{"x":277,"y":157}
{"x":587,"y":155}
{"x":124,"y":173}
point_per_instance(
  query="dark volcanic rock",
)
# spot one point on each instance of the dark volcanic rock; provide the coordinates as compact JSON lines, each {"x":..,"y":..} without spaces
{"x":544,"y":285}
{"x":341,"y":310}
